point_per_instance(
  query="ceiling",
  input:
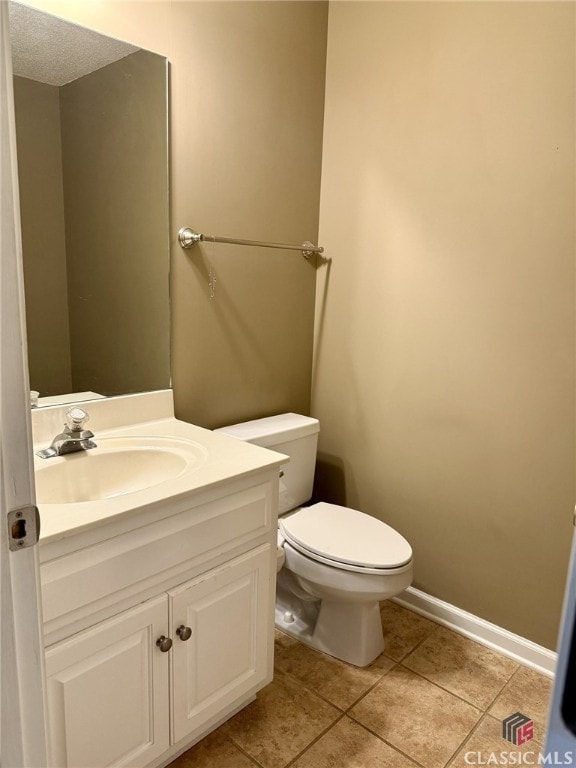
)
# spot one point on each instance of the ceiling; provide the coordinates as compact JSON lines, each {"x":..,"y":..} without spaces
{"x":53,"y":51}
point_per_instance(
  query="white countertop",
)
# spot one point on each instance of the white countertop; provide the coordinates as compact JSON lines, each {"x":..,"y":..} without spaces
{"x":226,"y":458}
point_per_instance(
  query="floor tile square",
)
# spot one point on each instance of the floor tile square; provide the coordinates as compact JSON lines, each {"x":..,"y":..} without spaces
{"x":465,"y":668}
{"x":417,"y":717}
{"x":527,"y":692}
{"x":486,"y":746}
{"x":340,"y":683}
{"x":348,"y":745}
{"x":403,"y":629}
{"x":214,"y":750}
{"x":285,"y":718}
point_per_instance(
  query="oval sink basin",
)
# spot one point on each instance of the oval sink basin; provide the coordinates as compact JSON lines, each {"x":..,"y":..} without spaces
{"x":117,"y":466}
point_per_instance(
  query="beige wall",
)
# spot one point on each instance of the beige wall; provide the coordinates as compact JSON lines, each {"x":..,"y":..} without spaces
{"x":114,"y":155}
{"x":42,"y":212}
{"x":248,"y":97}
{"x":444,"y":369}
{"x":247,"y":88}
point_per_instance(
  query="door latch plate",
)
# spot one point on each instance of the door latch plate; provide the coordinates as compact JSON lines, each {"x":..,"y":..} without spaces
{"x":23,"y":527}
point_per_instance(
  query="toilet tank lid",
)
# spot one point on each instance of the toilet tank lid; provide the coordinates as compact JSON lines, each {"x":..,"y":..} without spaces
{"x":273,"y":429}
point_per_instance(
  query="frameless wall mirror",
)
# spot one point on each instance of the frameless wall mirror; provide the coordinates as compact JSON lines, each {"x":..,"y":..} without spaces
{"x":92,"y":146}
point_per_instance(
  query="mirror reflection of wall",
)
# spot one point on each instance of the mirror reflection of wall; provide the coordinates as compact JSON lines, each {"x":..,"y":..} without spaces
{"x":93,"y":175}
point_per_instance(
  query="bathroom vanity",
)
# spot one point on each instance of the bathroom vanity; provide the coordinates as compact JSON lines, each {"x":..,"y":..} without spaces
{"x":158,"y":602}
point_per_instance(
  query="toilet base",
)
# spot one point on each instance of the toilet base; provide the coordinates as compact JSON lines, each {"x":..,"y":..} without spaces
{"x":351,"y":632}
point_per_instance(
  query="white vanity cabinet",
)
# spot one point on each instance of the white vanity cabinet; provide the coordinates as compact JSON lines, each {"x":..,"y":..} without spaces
{"x":160,"y":626}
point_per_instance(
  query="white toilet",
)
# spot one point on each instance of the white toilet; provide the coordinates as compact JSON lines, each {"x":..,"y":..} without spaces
{"x":336,"y":563}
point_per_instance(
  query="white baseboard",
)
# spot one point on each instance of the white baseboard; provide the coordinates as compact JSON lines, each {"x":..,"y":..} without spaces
{"x":498,"y":639}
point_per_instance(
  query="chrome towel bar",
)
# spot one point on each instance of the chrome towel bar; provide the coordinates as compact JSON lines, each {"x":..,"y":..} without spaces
{"x":188,"y":239}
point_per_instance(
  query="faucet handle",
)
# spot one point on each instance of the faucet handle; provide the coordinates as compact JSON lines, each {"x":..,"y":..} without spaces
{"x":76,"y":418}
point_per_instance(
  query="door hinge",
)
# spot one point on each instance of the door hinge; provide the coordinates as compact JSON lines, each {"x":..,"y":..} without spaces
{"x":23,"y":527}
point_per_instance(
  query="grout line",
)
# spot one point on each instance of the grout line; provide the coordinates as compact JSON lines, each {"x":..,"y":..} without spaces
{"x":484,"y":717}
{"x":240,"y":749}
{"x":457,"y":695}
{"x":419,"y":643}
{"x":366,"y":692}
{"x":436,"y":629}
{"x":445,"y":690}
{"x":343,"y":709}
{"x":313,"y":692}
{"x":512,"y":676}
{"x":388,"y":743}
{"x":466,"y":739}
{"x":315,"y":740}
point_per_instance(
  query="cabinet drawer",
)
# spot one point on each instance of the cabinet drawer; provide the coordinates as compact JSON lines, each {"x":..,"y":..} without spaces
{"x":76,"y":585}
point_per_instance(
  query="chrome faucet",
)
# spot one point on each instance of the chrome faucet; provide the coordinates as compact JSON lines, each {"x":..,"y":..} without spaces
{"x":73,"y":438}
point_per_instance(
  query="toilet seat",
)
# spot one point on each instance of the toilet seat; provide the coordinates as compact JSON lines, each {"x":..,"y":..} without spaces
{"x":346,"y":538}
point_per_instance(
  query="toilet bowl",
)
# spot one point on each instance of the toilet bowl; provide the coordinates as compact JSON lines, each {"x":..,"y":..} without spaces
{"x":335,"y":563}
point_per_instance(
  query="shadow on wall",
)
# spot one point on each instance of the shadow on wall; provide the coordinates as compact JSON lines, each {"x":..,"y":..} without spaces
{"x":329,"y":480}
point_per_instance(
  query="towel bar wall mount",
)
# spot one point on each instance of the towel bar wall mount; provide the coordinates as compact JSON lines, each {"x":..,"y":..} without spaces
{"x":188,"y":238}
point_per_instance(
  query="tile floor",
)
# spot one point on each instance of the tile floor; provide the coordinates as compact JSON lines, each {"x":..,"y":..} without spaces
{"x":429,"y":699}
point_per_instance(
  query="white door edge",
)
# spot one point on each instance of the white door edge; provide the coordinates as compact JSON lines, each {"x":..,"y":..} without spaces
{"x":22,"y":721}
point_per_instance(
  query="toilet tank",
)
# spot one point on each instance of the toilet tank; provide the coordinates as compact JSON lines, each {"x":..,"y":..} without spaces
{"x":294,"y":435}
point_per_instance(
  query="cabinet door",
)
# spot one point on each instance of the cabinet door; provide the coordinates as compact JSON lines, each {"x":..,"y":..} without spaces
{"x":230,"y":614}
{"x":107,"y":692}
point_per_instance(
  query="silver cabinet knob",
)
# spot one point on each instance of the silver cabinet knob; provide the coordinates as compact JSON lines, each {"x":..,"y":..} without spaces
{"x":184,"y":633}
{"x":164,"y":643}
